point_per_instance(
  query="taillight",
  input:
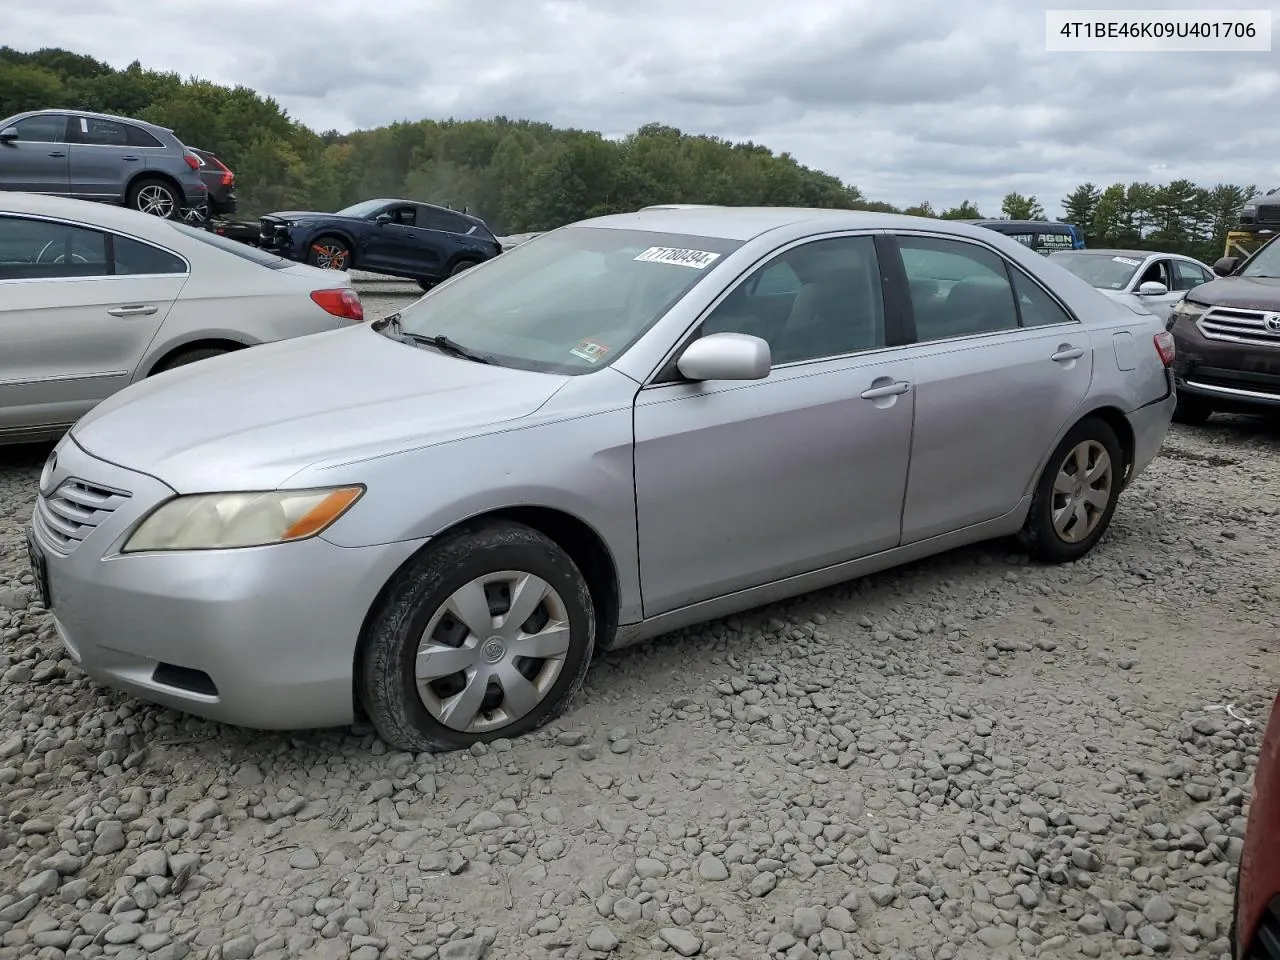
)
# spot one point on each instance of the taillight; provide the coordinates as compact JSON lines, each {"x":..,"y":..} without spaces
{"x":1165,"y":347}
{"x":192,"y":160}
{"x":228,"y":178}
{"x":343,"y":302}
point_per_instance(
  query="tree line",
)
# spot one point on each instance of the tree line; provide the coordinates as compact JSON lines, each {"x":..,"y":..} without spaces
{"x":520,"y":175}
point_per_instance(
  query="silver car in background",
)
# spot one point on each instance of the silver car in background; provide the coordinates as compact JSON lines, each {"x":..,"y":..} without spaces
{"x":1149,"y":281}
{"x":93,"y":298}
{"x":96,"y":156}
{"x":619,"y":428}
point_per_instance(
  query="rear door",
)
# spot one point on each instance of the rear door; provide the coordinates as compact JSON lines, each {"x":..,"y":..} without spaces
{"x":102,"y":158}
{"x":78,"y":308}
{"x":37,"y":162}
{"x":1000,"y":367}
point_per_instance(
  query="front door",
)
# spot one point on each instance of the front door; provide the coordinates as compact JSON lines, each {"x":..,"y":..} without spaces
{"x":1159,"y":271}
{"x":1000,"y":369}
{"x":37,"y":161}
{"x":742,"y":483}
{"x":74,"y":325}
{"x":391,"y":245}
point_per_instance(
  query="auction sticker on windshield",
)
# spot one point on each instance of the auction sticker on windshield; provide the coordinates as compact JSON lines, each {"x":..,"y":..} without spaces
{"x":590,"y":351}
{"x":698,"y":259}
{"x":1127,"y":261}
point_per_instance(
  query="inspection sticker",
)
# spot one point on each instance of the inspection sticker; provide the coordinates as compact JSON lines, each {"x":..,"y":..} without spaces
{"x":1132,"y":263}
{"x":698,"y":259}
{"x":590,"y":351}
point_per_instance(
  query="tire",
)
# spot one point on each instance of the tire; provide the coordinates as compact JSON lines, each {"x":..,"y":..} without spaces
{"x":156,"y":197}
{"x":329,"y":253}
{"x":1040,"y":537}
{"x":423,"y":596}
{"x":460,"y":266}
{"x":188,"y":356}
{"x":1191,"y":410}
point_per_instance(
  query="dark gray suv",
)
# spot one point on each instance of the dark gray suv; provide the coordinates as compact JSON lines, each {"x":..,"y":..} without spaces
{"x":92,"y":156}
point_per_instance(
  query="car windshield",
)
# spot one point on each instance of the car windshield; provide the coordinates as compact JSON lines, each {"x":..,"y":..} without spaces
{"x":1105,"y":271}
{"x":571,"y":301}
{"x":361,"y":209}
{"x":242,"y":250}
{"x":1264,"y":263}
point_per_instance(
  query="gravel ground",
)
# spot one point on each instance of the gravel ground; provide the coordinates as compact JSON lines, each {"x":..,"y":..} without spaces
{"x":969,"y":757}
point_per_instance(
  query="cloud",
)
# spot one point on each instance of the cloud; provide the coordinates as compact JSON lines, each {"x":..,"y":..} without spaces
{"x":909,"y":101}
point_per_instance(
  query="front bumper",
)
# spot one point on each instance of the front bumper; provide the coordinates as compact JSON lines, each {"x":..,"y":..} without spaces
{"x":262,"y":637}
{"x":1232,"y":376}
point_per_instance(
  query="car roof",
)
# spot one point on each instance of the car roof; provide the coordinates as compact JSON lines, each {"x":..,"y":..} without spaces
{"x":747,"y":223}
{"x":991,"y":221}
{"x":103,"y":215}
{"x":96,"y":116}
{"x":434,"y":206}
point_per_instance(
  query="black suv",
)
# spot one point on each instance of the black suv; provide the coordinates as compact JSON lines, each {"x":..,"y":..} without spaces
{"x":1227,"y":333}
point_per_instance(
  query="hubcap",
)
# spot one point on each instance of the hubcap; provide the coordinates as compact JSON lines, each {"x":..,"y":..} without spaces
{"x":155,"y":200}
{"x":1081,"y":491}
{"x":492,"y":652}
{"x":330,"y":256}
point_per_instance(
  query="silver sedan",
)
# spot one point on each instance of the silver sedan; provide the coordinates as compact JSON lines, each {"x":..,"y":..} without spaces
{"x":619,"y":428}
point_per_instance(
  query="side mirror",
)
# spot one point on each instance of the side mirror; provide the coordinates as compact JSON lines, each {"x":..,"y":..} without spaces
{"x":1226,"y":266}
{"x":1152,"y":288}
{"x":726,"y":356}
{"x":383,"y":218}
{"x":8,"y":134}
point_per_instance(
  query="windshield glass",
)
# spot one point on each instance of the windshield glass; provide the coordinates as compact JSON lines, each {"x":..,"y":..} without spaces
{"x":361,"y":209}
{"x":1264,"y":263}
{"x":242,"y":250}
{"x":1102,"y":270}
{"x":571,"y":301}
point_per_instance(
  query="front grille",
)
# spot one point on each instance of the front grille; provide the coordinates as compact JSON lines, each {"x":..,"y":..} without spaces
{"x":75,"y":510}
{"x":1240,"y":326}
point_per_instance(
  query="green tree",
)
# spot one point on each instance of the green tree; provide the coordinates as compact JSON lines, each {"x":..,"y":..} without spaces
{"x":924,"y":209}
{"x":966,"y":211}
{"x":1015,"y":206}
{"x":1080,"y":206}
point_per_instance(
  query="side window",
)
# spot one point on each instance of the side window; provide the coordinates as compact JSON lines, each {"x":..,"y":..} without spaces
{"x":403,"y":216}
{"x":958,"y":289}
{"x":133,"y":258}
{"x":102,"y":133}
{"x":1158,"y":272}
{"x":430,"y":219}
{"x":1037,"y":308}
{"x":1187,"y":276}
{"x":46,"y":128}
{"x":834,"y":306}
{"x":137,"y":137}
{"x":43,"y":249}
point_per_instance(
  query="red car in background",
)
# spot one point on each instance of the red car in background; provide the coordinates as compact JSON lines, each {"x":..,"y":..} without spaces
{"x":1256,"y":923}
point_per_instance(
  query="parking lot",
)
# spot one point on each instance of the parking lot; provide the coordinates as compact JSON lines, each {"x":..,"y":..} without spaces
{"x":969,"y":757}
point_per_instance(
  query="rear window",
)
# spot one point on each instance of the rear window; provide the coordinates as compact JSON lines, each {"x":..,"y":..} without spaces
{"x":234,"y":247}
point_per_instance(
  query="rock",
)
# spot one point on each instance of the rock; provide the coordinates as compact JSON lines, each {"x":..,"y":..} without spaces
{"x":762,"y":884}
{"x":486,"y":821}
{"x":713,"y":869}
{"x":1158,"y":910}
{"x":123,"y":933}
{"x":602,"y":940}
{"x":150,"y":863}
{"x":805,"y":922}
{"x":40,"y":885}
{"x":304,"y":858}
{"x":239,"y":948}
{"x":681,"y":941}
{"x":470,"y":948}
{"x":1153,"y":937}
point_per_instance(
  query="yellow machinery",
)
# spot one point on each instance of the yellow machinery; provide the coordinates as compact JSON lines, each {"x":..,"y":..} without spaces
{"x":1241,"y":244}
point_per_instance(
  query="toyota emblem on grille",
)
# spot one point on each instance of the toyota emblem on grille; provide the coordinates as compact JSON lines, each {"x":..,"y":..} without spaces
{"x":46,"y":475}
{"x":1272,"y":322}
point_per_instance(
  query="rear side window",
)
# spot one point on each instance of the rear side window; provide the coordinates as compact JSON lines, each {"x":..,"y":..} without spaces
{"x":443,"y":220}
{"x":957,"y":289}
{"x":102,"y":133}
{"x":140,"y":138}
{"x":137,"y":259}
{"x":1037,"y":308}
{"x":48,"y":250}
{"x":233,"y":247}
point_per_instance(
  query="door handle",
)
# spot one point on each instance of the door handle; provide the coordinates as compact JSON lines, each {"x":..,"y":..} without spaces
{"x":1067,"y":353}
{"x":138,"y":310}
{"x":58,"y":153}
{"x":128,"y":158}
{"x":888,"y":390}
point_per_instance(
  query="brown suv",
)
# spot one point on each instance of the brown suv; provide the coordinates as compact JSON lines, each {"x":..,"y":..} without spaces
{"x":1227,"y":333}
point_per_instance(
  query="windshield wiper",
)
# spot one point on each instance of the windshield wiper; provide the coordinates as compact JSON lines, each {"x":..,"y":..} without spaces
{"x":438,"y":341}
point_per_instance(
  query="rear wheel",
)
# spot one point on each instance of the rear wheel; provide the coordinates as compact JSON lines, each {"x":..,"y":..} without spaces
{"x":487,"y":634}
{"x":1076,"y":495}
{"x":155,"y":197}
{"x":189,"y":356}
{"x":329,"y":253}
{"x":426,"y":285}
{"x":460,"y":266}
{"x":1192,"y":410}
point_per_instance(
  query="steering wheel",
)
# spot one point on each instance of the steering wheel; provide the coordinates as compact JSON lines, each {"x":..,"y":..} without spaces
{"x":61,"y":257}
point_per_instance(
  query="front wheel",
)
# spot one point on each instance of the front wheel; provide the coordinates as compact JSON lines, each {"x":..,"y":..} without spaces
{"x":1192,"y":410}
{"x":487,"y":634}
{"x":1076,"y":495}
{"x":329,"y":253}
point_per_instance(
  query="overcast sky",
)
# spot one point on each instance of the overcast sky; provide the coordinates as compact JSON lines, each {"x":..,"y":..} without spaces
{"x":907,"y":99}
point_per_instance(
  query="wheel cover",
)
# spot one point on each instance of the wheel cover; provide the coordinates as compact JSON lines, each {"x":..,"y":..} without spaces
{"x":330,"y":256}
{"x":155,"y":200}
{"x":492,"y":652}
{"x":1081,"y":491}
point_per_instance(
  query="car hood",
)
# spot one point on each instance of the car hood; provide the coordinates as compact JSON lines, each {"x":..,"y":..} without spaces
{"x":301,"y":215}
{"x":1250,"y":293}
{"x":250,"y":420}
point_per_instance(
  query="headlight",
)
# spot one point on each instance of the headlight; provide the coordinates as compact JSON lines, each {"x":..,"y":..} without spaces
{"x":220,"y":521}
{"x":1187,"y":310}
